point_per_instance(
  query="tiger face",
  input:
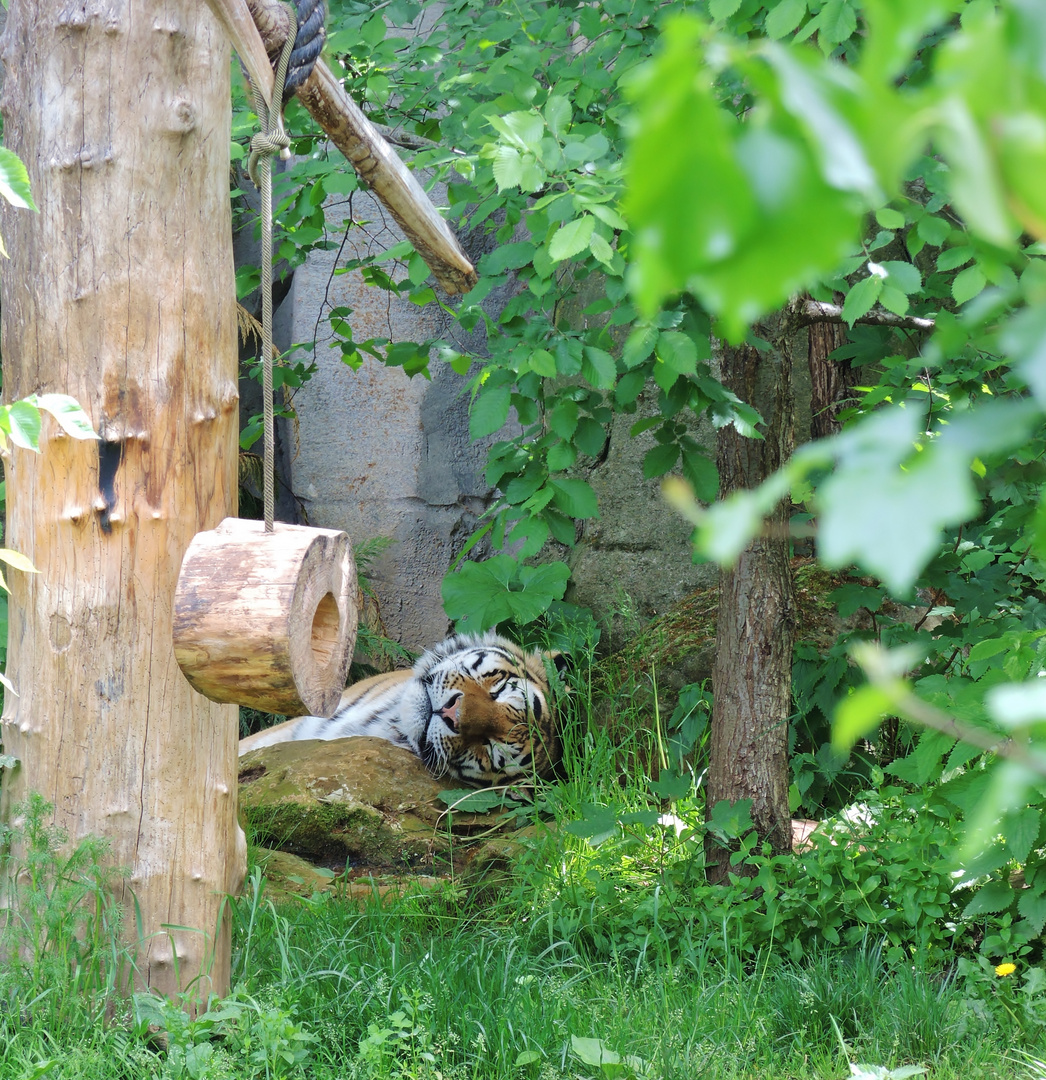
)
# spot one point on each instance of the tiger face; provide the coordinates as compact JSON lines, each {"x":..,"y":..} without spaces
{"x":480,"y":709}
{"x":482,"y":713}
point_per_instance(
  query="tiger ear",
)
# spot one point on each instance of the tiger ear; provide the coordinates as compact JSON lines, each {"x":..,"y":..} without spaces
{"x":561,"y":661}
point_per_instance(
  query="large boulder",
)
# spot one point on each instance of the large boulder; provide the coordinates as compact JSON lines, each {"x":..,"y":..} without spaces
{"x":352,"y":803}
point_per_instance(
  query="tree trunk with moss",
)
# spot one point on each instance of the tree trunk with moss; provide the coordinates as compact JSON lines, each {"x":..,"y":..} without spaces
{"x":752,"y":673}
{"x":120,"y":292}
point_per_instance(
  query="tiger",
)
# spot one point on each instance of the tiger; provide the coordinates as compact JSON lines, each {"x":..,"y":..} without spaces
{"x":475,"y":707}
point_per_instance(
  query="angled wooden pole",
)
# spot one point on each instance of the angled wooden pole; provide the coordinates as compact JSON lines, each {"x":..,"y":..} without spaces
{"x":355,"y":136}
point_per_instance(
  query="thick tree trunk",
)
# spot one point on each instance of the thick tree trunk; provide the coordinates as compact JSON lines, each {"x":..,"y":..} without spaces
{"x":831,"y":381}
{"x":752,"y":673}
{"x":120,"y":292}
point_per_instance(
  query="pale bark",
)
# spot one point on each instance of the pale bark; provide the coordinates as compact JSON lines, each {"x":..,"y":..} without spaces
{"x":120,"y":292}
{"x":806,"y":311}
{"x":268,"y":620}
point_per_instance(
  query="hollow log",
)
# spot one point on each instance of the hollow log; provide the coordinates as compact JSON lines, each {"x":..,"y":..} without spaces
{"x":267,"y":620}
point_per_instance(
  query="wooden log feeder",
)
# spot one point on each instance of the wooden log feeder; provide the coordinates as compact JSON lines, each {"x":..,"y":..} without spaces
{"x":267,"y":619}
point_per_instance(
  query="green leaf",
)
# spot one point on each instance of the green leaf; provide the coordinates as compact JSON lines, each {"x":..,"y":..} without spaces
{"x":67,"y":411}
{"x":17,"y":560}
{"x":702,"y":475}
{"x":14,"y":180}
{"x":671,"y":785}
{"x":893,"y":300}
{"x":558,"y":113}
{"x":598,"y":367}
{"x":721,"y":10}
{"x":659,"y":459}
{"x":987,"y":648}
{"x":470,"y":801}
{"x":1021,"y":830}
{"x":687,"y":196}
{"x":543,"y":363}
{"x":968,"y":283}
{"x":859,"y":714}
{"x":24,"y":418}
{"x":729,"y":821}
{"x":590,"y":437}
{"x":953,"y":258}
{"x":1032,"y":906}
{"x":886,"y":503}
{"x":593,"y":1051}
{"x":507,"y":257}
{"x":1017,"y":705}
{"x":475,"y":596}
{"x":545,"y":582}
{"x":572,"y":238}
{"x":563,"y":418}
{"x":373,"y":30}
{"x":889,"y":218}
{"x":489,"y":411}
{"x":838,"y":22}
{"x":678,"y":352}
{"x":976,"y":187}
{"x":575,"y":498}
{"x":903,"y":276}
{"x":992,"y":897}
{"x":783,"y":17}
{"x":607,"y":214}
{"x":639,"y":345}
{"x":601,"y":249}
{"x":561,"y":456}
{"x":861,"y":298}
{"x":597,"y":823}
{"x":508,"y":168}
{"x":521,"y":129}
{"x":850,"y":598}
{"x":934,"y":230}
{"x":417,"y":269}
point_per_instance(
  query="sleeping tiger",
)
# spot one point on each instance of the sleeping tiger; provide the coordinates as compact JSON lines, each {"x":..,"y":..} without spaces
{"x":475,"y":707}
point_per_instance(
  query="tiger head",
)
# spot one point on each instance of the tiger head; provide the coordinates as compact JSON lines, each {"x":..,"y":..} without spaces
{"x":480,"y":709}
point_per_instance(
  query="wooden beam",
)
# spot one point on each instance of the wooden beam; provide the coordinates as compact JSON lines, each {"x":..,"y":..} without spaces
{"x":355,"y":136}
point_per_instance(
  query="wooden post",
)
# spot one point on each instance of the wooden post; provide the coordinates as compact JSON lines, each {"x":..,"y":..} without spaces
{"x":120,"y":292}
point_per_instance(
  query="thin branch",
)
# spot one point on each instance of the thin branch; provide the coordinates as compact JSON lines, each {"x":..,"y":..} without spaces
{"x":878,"y":665}
{"x":813,"y":311}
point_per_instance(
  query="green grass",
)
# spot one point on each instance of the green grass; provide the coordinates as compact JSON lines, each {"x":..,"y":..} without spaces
{"x":423,"y":991}
{"x":604,"y":958}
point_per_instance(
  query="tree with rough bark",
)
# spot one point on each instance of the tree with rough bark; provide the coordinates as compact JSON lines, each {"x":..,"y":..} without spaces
{"x":755,"y":629}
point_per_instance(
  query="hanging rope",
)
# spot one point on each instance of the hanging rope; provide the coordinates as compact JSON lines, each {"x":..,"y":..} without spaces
{"x":299,"y":53}
{"x":307,"y":45}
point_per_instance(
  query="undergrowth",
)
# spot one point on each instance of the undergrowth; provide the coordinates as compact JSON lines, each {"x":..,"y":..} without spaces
{"x":605,"y":955}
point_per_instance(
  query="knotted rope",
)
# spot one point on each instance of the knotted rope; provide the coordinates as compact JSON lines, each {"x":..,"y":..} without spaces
{"x":299,"y":53}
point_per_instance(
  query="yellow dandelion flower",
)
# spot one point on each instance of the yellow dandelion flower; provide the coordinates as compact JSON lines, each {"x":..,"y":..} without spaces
{"x":1005,"y":969}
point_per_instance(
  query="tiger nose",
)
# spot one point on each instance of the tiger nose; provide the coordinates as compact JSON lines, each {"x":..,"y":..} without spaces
{"x":449,"y":712}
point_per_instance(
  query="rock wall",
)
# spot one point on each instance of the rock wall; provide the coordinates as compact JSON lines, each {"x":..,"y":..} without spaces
{"x":380,"y":454}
